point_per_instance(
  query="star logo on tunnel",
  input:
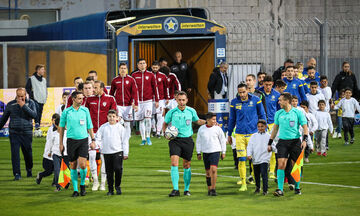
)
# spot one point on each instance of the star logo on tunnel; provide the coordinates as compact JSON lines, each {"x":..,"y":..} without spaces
{"x":171,"y":25}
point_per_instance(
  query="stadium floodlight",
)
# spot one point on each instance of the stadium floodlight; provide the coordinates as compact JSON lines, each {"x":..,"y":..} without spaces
{"x":122,"y":20}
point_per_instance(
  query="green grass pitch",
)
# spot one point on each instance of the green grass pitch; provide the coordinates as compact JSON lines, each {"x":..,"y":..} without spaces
{"x":145,"y":187}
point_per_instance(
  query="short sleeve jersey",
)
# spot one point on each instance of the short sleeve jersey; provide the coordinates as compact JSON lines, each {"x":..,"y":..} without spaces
{"x":182,"y":120}
{"x":289,"y":123}
{"x":77,"y":122}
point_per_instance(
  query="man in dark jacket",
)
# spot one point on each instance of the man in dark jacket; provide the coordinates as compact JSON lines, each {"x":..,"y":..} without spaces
{"x":181,"y":69}
{"x":345,"y":79}
{"x":21,"y":112}
{"x":277,"y":74}
{"x":218,"y":82}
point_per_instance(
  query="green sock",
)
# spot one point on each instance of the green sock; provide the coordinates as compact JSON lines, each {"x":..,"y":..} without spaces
{"x":83,"y":176}
{"x":175,"y":177}
{"x":74,"y":179}
{"x":187,"y":179}
{"x":280,"y":179}
{"x":297,"y":185}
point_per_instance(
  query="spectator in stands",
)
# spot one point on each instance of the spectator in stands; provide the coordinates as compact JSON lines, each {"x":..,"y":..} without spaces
{"x":218,"y":82}
{"x":310,"y":63}
{"x":277,"y":73}
{"x":37,"y":89}
{"x":181,"y":69}
{"x":21,"y":112}
{"x":346,"y":79}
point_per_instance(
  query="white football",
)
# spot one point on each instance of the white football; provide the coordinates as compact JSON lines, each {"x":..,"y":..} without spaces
{"x":37,"y":133}
{"x":171,"y":132}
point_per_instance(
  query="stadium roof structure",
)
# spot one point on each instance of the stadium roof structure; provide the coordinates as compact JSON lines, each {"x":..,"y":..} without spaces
{"x":94,"y":26}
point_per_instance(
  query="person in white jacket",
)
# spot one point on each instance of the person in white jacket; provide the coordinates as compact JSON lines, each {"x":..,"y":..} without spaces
{"x":212,"y":143}
{"x":349,"y":105}
{"x":324,"y":124}
{"x":258,"y":153}
{"x":113,"y":143}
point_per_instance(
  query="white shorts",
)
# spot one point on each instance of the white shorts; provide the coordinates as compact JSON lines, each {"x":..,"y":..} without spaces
{"x":125,"y":112}
{"x":144,"y":110}
{"x":160,"y":109}
{"x":172,"y":104}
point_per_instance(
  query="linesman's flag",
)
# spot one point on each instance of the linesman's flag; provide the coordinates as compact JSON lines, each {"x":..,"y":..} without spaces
{"x":64,"y":175}
{"x":296,"y":171}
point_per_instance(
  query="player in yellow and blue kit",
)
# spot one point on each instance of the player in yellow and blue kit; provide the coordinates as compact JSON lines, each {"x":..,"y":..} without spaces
{"x":245,"y":111}
{"x":272,"y":105}
{"x":294,"y":86}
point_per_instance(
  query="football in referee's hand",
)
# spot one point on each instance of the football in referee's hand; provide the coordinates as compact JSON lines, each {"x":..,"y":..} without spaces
{"x":171,"y":132}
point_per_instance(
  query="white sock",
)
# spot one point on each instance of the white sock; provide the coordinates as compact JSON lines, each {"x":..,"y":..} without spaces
{"x":159,"y":124}
{"x":142,"y":129}
{"x":92,"y":164}
{"x":147,"y":127}
{"x":102,"y":169}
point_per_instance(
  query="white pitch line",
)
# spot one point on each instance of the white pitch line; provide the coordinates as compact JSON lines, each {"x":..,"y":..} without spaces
{"x":312,"y":183}
{"x":305,"y":164}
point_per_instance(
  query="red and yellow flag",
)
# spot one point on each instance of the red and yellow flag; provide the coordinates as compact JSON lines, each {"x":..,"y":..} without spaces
{"x":64,"y":175}
{"x":296,"y":170}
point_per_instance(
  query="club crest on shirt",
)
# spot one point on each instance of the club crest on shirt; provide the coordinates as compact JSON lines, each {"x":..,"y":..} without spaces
{"x":127,"y":81}
{"x":168,"y":79}
{"x":251,"y":104}
{"x":273,"y":98}
{"x":104,"y":104}
{"x":146,"y":77}
{"x":159,"y":79}
{"x":294,"y":86}
{"x":188,"y":121}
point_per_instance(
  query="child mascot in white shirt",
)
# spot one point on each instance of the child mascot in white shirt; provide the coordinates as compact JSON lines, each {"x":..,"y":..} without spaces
{"x":257,"y":151}
{"x":114,"y":146}
{"x":212,"y":143}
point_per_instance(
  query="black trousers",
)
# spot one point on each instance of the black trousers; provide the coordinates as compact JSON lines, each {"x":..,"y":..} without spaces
{"x":348,"y":126}
{"x":261,"y":169}
{"x":39,"y":110}
{"x":236,"y":160}
{"x":48,"y":166}
{"x":113,"y":164}
{"x":25,"y":142}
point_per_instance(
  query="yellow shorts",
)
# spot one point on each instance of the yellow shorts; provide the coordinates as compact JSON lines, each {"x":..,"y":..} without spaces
{"x":242,"y":141}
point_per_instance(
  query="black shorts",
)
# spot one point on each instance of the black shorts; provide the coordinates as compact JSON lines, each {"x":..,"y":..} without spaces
{"x":289,"y":149}
{"x":211,"y":159}
{"x":77,"y":148}
{"x":182,"y":147}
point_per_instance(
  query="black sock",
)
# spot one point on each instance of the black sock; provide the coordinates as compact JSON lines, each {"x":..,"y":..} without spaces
{"x":208,"y":181}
